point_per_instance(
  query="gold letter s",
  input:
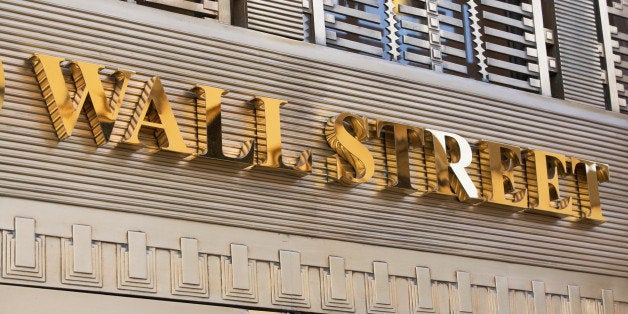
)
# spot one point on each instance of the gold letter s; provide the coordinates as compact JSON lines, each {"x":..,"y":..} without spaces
{"x":349,"y":147}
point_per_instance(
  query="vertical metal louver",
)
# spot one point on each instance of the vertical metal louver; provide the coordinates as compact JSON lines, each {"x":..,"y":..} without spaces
{"x":498,"y":41}
{"x":278,"y":17}
{"x":510,"y":43}
{"x":514,"y":43}
{"x":618,"y":18}
{"x":419,"y":41}
{"x":425,"y":33}
{"x":579,"y":52}
{"x":433,"y":35}
{"x":456,"y":51}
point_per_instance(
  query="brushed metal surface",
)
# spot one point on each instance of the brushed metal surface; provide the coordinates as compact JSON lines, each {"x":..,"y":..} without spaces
{"x":20,"y":300}
{"x":82,"y":245}
{"x":607,"y":302}
{"x":540,"y":300}
{"x":318,"y":83}
{"x":138,"y":264}
{"x":25,"y":242}
{"x":338,"y":281}
{"x":290,"y":263}
{"x":381,"y":282}
{"x":502,"y":295}
{"x":189,"y":261}
{"x":464,"y":292}
{"x":575,"y":304}
{"x":424,"y":287}
{"x":240,"y":263}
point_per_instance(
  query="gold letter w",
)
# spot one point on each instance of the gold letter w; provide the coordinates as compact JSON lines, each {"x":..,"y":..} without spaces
{"x":90,"y":95}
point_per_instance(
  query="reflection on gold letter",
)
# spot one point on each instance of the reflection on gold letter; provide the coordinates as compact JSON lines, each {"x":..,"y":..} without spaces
{"x":2,"y":87}
{"x":545,"y":197}
{"x":90,"y":95}
{"x":498,"y":184}
{"x":452,"y":155}
{"x":588,"y":175}
{"x":344,"y":133}
{"x":404,"y":137}
{"x":210,"y":144}
{"x":267,"y":114}
{"x":154,"y":111}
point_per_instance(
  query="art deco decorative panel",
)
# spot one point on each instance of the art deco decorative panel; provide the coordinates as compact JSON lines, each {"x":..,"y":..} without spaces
{"x":317,"y":84}
{"x":407,"y":282}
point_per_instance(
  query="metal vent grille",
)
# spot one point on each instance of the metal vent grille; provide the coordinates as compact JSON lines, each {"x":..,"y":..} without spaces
{"x":278,"y":17}
{"x":580,"y":60}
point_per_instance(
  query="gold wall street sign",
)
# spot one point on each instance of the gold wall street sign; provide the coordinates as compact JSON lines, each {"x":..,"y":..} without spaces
{"x":511,"y":177}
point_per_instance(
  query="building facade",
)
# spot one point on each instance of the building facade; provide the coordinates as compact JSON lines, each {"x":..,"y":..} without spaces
{"x":315,"y":156}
